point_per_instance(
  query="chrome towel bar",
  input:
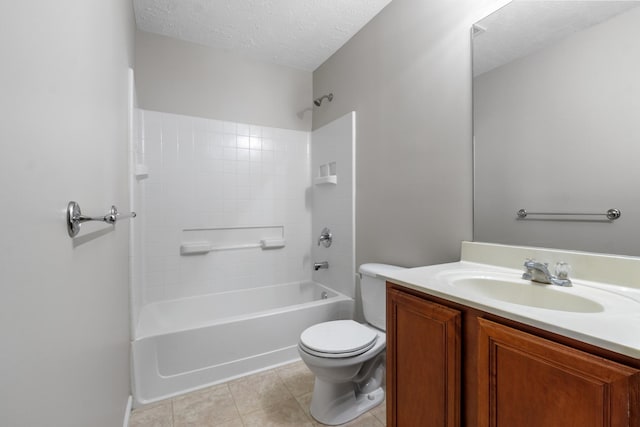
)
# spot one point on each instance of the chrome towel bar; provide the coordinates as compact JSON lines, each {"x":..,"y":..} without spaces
{"x":75,"y":217}
{"x":611,"y":214}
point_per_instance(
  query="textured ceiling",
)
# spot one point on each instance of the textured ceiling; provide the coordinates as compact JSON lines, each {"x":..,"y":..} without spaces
{"x":296,"y":33}
{"x":523,"y":27}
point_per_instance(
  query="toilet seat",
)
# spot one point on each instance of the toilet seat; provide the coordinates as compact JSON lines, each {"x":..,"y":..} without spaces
{"x":337,"y":339}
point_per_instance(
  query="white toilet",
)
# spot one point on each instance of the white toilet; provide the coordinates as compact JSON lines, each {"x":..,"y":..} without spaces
{"x":347,"y":357}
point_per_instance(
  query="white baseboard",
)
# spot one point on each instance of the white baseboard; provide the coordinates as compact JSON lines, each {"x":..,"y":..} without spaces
{"x":127,"y":412}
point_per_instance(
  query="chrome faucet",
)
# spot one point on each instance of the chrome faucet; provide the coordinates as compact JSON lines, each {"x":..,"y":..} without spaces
{"x":539,"y":272}
{"x":318,"y":265}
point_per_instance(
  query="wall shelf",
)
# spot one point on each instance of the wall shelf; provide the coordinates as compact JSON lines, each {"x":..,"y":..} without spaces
{"x":328,"y":179}
{"x":141,"y":171}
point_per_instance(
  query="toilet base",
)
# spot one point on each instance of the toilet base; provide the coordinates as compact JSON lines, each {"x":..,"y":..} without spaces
{"x":334,"y":404}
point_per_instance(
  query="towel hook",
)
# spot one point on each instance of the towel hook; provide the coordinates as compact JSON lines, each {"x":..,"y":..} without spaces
{"x":75,"y":217}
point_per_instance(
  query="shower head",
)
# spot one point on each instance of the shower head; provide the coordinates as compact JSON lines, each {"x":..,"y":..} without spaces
{"x":318,"y":101}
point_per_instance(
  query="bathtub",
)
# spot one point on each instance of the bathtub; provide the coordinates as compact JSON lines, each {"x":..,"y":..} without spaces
{"x":190,"y":343}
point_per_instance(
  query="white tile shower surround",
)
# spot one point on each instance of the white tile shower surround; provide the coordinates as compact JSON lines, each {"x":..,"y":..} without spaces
{"x":278,"y":397}
{"x":207,"y":173}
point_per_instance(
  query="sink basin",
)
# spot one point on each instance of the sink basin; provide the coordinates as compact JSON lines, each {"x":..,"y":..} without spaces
{"x":526,"y":293}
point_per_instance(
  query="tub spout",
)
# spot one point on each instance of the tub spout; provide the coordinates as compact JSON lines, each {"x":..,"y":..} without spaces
{"x":318,"y":265}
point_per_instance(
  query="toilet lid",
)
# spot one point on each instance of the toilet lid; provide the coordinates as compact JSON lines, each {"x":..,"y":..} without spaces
{"x":339,"y":338}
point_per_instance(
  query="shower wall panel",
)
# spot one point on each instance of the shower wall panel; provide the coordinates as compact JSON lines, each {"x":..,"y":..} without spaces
{"x":201,"y":174}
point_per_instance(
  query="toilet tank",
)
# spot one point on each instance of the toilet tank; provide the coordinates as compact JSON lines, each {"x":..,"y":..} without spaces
{"x":373,"y":292}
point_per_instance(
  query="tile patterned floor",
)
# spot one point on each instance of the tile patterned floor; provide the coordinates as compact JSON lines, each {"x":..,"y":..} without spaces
{"x":276,"y":398}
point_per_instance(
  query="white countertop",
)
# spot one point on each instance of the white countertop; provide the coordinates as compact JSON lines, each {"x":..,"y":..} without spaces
{"x":615,"y":328}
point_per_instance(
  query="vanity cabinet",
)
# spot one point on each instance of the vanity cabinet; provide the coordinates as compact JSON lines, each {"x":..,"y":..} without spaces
{"x":531,"y":381}
{"x":451,"y":365}
{"x":423,"y":362}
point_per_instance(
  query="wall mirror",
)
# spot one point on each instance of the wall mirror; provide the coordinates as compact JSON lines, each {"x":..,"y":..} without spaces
{"x":556,"y":87}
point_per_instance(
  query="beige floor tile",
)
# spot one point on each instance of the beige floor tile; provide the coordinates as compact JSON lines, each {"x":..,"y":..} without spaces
{"x":286,"y":414}
{"x":209,"y":407}
{"x":279,"y":398}
{"x":234,"y":423}
{"x":364,"y":420}
{"x":297,"y":378}
{"x":157,"y":415}
{"x":259,"y":391}
{"x":305,"y":401}
{"x":380,"y":412}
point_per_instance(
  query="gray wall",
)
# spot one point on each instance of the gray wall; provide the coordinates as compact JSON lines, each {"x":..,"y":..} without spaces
{"x":63,"y":304}
{"x":185,"y":78}
{"x":558,"y":131}
{"x":407,"y":74}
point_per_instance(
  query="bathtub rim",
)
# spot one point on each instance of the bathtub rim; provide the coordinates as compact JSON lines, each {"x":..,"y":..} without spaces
{"x":338,"y":296}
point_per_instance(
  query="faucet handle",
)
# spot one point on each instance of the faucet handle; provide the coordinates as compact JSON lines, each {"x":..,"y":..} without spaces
{"x":528,"y":265}
{"x":562,"y":270}
{"x":326,"y":238}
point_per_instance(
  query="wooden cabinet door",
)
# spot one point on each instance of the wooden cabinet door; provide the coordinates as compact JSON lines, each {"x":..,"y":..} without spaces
{"x":423,"y":362}
{"x":527,"y":381}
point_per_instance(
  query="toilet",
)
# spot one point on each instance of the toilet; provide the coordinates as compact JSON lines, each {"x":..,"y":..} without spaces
{"x":347,"y":357}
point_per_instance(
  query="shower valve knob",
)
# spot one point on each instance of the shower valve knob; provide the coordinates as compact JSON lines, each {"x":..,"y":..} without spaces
{"x":326,"y":238}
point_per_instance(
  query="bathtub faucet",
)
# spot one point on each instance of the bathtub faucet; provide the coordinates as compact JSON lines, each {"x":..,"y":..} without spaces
{"x":318,"y":265}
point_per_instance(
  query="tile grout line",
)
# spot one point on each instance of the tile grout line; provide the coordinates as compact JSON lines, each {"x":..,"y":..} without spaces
{"x":311,"y":420}
{"x":304,"y":410}
{"x":235,"y":404}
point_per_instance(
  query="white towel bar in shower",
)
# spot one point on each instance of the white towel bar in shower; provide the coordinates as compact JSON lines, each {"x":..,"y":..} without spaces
{"x":200,"y":248}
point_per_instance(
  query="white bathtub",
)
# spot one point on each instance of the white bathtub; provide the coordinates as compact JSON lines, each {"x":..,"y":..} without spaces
{"x":190,"y":343}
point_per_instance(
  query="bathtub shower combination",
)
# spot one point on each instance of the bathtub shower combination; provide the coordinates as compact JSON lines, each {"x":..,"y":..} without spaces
{"x":190,"y":343}
{"x":222,"y":250}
